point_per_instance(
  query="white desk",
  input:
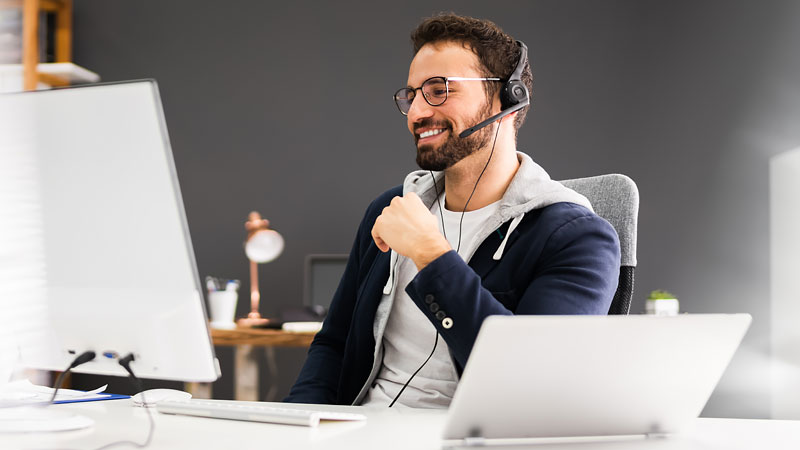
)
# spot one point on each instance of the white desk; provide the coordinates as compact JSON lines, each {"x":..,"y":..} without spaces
{"x":384,"y":429}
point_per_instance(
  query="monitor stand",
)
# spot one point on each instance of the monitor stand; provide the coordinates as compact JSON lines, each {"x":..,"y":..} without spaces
{"x":25,"y":419}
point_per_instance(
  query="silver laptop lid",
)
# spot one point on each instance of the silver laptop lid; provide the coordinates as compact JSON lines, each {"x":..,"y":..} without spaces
{"x":559,"y":376}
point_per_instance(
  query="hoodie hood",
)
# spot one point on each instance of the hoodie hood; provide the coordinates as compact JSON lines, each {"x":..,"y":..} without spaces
{"x":531,"y":188}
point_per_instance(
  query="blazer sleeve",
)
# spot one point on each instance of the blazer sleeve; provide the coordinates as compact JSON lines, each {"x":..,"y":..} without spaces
{"x":319,"y":379}
{"x":576,"y":273}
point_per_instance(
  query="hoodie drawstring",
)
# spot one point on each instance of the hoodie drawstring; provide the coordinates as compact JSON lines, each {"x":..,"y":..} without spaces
{"x":514,"y":222}
{"x":390,"y":282}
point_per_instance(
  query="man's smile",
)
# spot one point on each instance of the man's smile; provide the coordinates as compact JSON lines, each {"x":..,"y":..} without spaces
{"x":429,"y":135}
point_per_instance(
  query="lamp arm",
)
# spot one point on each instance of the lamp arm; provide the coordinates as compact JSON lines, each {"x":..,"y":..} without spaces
{"x":255,"y":294}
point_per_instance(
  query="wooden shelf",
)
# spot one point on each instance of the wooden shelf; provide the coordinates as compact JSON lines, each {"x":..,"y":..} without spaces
{"x":48,"y":75}
{"x":36,"y":75}
{"x":70,"y":72}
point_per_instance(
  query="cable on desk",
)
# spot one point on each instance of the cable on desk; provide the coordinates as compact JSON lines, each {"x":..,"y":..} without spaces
{"x":126,"y":364}
{"x":80,"y":359}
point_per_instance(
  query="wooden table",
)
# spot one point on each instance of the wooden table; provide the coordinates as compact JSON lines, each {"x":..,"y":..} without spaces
{"x":246,"y":373}
{"x":260,"y":338}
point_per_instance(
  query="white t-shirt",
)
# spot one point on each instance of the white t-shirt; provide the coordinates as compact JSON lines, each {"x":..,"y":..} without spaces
{"x":409,"y":336}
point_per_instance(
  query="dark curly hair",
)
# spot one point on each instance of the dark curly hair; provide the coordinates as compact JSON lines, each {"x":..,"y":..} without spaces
{"x":497,"y":52}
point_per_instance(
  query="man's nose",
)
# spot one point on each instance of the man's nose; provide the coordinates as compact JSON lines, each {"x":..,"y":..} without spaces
{"x":419,"y":110}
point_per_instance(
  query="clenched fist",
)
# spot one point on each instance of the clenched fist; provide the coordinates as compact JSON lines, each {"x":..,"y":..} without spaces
{"x":407,"y":227}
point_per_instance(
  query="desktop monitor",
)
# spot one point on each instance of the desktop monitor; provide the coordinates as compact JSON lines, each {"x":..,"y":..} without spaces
{"x":323,"y":272}
{"x":97,"y":253}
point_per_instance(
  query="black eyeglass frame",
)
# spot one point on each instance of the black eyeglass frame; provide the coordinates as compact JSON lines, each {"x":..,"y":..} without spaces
{"x":447,"y":81}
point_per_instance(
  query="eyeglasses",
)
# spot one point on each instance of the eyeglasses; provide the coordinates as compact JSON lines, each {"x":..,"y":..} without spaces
{"x":434,"y":91}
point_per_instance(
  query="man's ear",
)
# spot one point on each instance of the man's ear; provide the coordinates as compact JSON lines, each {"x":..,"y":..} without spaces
{"x":511,"y":116}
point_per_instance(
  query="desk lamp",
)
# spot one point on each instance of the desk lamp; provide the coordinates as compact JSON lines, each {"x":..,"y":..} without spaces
{"x":262,"y":245}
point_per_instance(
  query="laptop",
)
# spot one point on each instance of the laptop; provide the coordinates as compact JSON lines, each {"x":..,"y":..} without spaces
{"x":546,"y":377}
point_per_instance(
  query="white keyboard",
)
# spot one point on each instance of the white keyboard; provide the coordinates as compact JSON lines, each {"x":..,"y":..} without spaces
{"x":253,"y":412}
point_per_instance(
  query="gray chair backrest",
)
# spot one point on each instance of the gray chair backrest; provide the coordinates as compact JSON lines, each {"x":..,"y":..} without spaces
{"x":615,"y":198}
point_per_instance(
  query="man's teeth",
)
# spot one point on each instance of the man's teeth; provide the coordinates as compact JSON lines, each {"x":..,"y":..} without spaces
{"x":430,"y":133}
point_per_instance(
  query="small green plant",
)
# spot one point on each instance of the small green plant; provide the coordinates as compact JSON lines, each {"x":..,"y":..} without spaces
{"x":658,"y":294}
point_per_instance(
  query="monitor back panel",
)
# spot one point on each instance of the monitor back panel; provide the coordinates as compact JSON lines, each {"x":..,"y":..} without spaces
{"x":558,"y":376}
{"x":106,"y":226}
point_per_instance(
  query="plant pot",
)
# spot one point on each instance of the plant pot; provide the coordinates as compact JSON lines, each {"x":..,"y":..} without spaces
{"x":662,"y":307}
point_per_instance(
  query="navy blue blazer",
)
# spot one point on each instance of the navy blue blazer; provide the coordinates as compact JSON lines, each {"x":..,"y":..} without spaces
{"x":561,"y":259}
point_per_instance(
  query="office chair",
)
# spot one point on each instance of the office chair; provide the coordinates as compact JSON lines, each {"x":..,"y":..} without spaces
{"x":615,"y":198}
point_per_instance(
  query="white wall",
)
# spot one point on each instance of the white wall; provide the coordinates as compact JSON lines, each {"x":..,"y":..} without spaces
{"x":785,"y":274}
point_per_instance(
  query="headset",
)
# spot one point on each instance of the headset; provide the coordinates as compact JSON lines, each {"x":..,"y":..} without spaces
{"x":513,"y":95}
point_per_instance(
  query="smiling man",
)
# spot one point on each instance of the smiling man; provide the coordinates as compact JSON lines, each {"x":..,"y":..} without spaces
{"x":481,"y":230}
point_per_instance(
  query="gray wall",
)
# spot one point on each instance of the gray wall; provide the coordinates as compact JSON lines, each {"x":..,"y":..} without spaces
{"x":285,"y":108}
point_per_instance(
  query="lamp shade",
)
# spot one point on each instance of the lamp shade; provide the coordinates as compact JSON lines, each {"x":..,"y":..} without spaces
{"x":264,"y":246}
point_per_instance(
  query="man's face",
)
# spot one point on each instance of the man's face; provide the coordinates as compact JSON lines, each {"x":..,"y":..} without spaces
{"x":466,"y":105}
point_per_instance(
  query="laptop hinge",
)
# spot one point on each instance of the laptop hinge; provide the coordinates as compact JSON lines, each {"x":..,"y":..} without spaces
{"x":480,"y":441}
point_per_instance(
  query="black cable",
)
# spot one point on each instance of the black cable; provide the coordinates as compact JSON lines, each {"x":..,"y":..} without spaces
{"x":126,"y":364}
{"x":439,"y":201}
{"x":476,"y":187}
{"x":80,"y":359}
{"x":416,"y":372}
{"x":458,"y":247}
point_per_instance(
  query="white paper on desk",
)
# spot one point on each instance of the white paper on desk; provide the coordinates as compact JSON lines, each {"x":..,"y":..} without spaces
{"x":25,"y":392}
{"x":302,"y":327}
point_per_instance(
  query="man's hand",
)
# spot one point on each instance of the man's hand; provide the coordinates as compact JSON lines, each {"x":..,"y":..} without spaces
{"x":407,"y":227}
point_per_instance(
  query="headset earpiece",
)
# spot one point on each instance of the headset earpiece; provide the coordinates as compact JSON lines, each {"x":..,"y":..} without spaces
{"x":514,"y":91}
{"x":513,"y":95}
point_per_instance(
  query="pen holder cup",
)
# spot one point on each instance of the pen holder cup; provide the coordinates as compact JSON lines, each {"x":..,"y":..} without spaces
{"x":223,"y":308}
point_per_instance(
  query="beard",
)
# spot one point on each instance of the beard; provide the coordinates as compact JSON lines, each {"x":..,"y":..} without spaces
{"x":454,"y":149}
